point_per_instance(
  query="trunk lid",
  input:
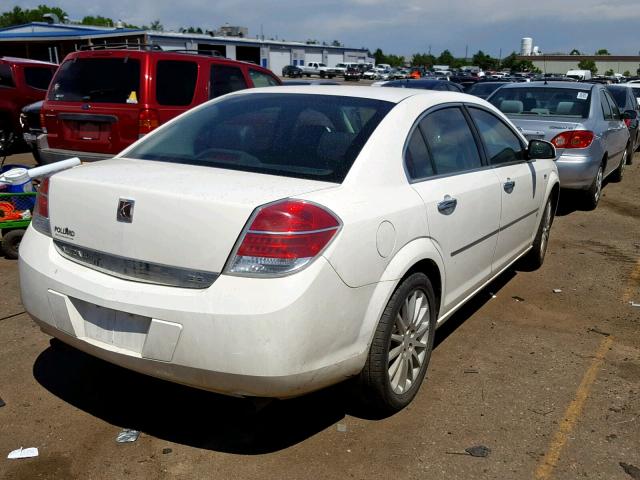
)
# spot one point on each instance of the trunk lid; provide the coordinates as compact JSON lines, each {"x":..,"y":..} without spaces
{"x":535,"y":128}
{"x":184,"y":216}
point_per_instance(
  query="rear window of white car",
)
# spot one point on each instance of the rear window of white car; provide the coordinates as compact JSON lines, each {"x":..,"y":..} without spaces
{"x":543,"y":101}
{"x":294,"y":135}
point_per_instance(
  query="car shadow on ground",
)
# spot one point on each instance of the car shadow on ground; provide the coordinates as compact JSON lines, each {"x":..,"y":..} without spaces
{"x":574,"y":200}
{"x":202,"y":419}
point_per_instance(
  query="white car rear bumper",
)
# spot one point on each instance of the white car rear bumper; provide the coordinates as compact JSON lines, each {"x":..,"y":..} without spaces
{"x":277,"y":337}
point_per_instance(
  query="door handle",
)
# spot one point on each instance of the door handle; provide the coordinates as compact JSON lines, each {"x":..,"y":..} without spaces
{"x":447,"y":205}
{"x":509,"y":185}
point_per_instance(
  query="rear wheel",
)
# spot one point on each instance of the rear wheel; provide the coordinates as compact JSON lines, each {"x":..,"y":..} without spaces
{"x":617,"y":175}
{"x":592,"y":196}
{"x":401,"y":347}
{"x":11,"y":243}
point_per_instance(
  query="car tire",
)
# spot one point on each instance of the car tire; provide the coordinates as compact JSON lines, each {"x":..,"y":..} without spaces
{"x":618,"y":173}
{"x":400,"y":348}
{"x":594,"y":193}
{"x":11,"y":243}
{"x":535,"y":257}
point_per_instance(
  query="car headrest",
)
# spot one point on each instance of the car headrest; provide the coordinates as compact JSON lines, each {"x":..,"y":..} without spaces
{"x":511,"y":106}
{"x":564,"y":108}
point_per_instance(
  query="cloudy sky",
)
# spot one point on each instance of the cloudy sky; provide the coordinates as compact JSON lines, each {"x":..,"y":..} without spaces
{"x":404,"y":26}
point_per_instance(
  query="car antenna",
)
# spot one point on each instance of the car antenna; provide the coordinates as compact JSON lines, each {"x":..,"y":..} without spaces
{"x":545,"y":72}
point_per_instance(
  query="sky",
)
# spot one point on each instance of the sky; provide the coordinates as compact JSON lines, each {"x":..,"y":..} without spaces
{"x":403,"y":27}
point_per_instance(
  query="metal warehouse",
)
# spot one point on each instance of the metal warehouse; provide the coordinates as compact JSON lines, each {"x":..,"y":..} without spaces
{"x":52,"y":42}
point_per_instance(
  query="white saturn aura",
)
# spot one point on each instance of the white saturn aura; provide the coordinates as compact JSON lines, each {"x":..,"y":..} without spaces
{"x":279,"y":240}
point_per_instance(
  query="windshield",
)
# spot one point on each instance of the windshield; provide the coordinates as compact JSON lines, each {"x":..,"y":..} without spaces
{"x":292,"y":135}
{"x":97,"y":80}
{"x":636,"y":93}
{"x":545,"y":101}
{"x":619,"y":94}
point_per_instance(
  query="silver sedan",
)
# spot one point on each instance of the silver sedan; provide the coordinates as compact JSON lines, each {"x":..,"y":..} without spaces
{"x":581,"y":120}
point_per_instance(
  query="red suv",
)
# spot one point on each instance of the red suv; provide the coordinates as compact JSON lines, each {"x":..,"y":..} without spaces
{"x":22,"y":82}
{"x":102,"y":101}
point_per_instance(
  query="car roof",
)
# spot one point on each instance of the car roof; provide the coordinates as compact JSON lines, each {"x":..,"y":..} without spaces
{"x":393,"y":95}
{"x":417,"y":81}
{"x":26,"y":61}
{"x":552,"y":84}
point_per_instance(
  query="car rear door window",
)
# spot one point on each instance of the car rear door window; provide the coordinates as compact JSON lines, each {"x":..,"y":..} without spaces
{"x":38,"y":77}
{"x":97,"y":80}
{"x":501,"y":144}
{"x":225,"y":79}
{"x":176,"y":82}
{"x":261,"y":79}
{"x":615,"y":111}
{"x":416,"y":157}
{"x":450,"y":141}
{"x":6,"y":78}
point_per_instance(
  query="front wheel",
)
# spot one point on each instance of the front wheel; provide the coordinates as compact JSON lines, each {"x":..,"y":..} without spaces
{"x":535,"y":258}
{"x":11,"y":243}
{"x":401,"y":348}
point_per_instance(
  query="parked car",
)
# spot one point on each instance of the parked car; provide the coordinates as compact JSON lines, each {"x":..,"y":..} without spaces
{"x":635,"y":86}
{"x":365,"y":197}
{"x":32,"y":127}
{"x":101,"y":101}
{"x":292,"y":71}
{"x":22,"y":81}
{"x":352,"y":73}
{"x":627,"y":103}
{"x":424,"y":84}
{"x":484,"y":89}
{"x":320,"y":69}
{"x":373,"y":74}
{"x":583,"y":122}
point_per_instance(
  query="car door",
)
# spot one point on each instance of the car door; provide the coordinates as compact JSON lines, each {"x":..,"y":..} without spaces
{"x":618,"y":135}
{"x":175,"y":87}
{"x":522,"y":185}
{"x":225,"y":79}
{"x":461,"y":197}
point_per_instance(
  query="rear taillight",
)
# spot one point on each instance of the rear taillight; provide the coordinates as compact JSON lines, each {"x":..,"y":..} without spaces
{"x":40,"y":220}
{"x":282,"y":238}
{"x":573,"y":139}
{"x":627,"y":122}
{"x":43,"y":125}
{"x":147,"y":121}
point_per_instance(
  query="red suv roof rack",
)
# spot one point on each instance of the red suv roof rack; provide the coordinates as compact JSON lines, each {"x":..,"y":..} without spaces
{"x":122,"y":46}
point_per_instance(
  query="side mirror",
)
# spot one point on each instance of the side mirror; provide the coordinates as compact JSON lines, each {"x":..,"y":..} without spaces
{"x":541,"y":150}
{"x":630,"y":115}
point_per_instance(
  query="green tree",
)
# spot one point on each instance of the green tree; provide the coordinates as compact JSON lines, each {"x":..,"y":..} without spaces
{"x":603,"y":51}
{"x":512,"y":63}
{"x":627,"y":73}
{"x":446,"y":58}
{"x":609,"y":73}
{"x":424,"y":59}
{"x":336,"y":43}
{"x":156,"y":26}
{"x":98,"y":20}
{"x":575,"y":51}
{"x":484,"y":61}
{"x":19,"y":16}
{"x":588,"y":65}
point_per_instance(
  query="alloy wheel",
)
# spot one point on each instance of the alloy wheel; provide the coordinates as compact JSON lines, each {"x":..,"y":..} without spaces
{"x":546,"y":228}
{"x":409,"y":342}
{"x":596,"y":195}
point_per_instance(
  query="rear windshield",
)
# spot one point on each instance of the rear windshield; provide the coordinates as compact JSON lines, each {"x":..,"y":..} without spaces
{"x":619,"y":94}
{"x":484,"y":88}
{"x":293,"y":135}
{"x":543,"y":101}
{"x":97,"y":80}
{"x":636,"y":93}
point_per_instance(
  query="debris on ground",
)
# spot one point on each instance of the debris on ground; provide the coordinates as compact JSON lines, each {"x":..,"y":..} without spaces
{"x":165,"y":451}
{"x":342,"y":427}
{"x":557,"y":290}
{"x":518,"y":299}
{"x":493,"y":295}
{"x":2,"y":403}
{"x":634,"y":304}
{"x":478,"y":451}
{"x":471,"y":370}
{"x":599,"y":332}
{"x":610,"y":437}
{"x":23,"y":453}
{"x":631,"y":470}
{"x":127,"y":436}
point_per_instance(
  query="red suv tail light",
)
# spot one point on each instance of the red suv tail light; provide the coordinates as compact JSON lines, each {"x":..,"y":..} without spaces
{"x":573,"y":139}
{"x":282,"y":238}
{"x":147,"y":121}
{"x":40,"y":220}
{"x":627,"y":122}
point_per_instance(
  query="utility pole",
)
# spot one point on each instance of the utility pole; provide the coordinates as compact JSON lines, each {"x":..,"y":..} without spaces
{"x":500,"y":59}
{"x":466,"y":53}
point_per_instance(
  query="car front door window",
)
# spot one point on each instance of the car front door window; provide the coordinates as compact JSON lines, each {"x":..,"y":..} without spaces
{"x":501,"y":144}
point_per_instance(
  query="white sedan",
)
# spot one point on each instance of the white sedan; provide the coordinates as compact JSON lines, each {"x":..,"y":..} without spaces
{"x":279,"y":240}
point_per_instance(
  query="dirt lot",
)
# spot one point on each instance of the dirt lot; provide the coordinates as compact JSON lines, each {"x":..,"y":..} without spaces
{"x":550,"y":382}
